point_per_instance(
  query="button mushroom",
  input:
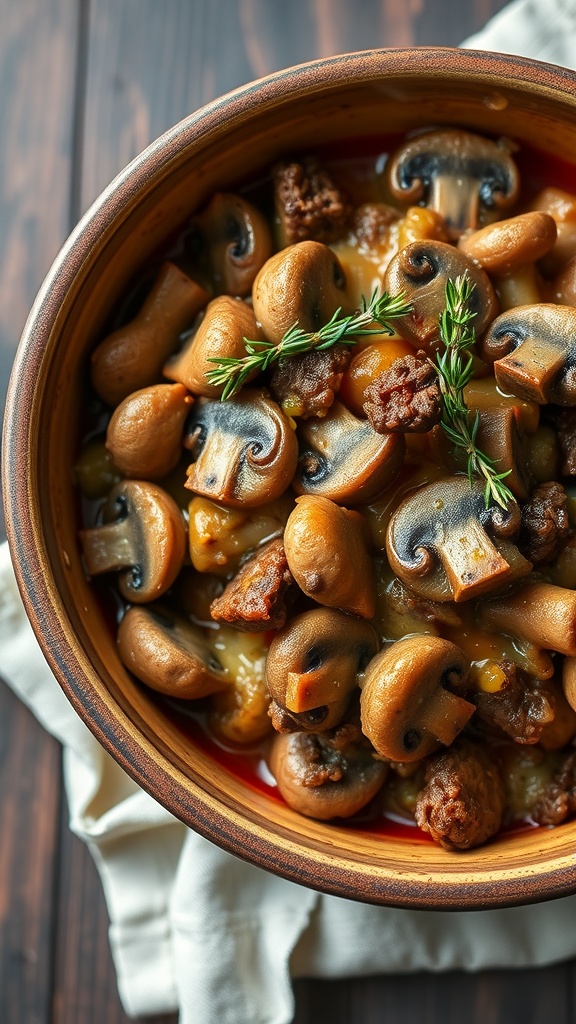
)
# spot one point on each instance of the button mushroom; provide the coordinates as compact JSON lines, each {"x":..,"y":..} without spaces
{"x":506,"y":246}
{"x":327,"y":553}
{"x":466,"y":178}
{"x":245,"y":450}
{"x":233,"y":237}
{"x":324,"y":778}
{"x":304,"y":283}
{"x":144,"y":532}
{"x":144,"y":436}
{"x":220,"y":334}
{"x":132,"y":357}
{"x":533,"y":349}
{"x":343,"y":458}
{"x":314,"y":665}
{"x":541,"y":613}
{"x":407,"y":705}
{"x":421,"y":271}
{"x":169,"y":653}
{"x":439,"y":545}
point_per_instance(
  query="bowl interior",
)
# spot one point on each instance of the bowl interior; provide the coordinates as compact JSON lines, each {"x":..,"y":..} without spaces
{"x":233,"y":139}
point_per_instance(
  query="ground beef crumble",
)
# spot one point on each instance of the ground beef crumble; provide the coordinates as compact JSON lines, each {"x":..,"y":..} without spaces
{"x":308,"y":203}
{"x":558,"y":800}
{"x":405,"y":398}
{"x":254,"y":599}
{"x":306,"y":385}
{"x":520,"y":708}
{"x":545,"y":524}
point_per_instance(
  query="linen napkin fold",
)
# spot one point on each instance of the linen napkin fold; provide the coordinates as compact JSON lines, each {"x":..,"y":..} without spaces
{"x":193,"y":928}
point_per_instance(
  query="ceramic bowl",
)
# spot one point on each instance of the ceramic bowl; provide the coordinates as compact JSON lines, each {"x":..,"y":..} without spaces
{"x":229,"y":140}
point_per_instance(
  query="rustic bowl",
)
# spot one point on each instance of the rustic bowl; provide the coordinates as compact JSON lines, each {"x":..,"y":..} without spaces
{"x":355,"y":95}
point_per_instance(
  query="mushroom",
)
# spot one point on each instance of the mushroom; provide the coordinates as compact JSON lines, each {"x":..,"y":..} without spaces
{"x":234,"y":238}
{"x":144,"y":532}
{"x":327,"y":553}
{"x":322,"y":778}
{"x":303,"y":284}
{"x":439,"y":545}
{"x":343,"y":458}
{"x":245,"y":450}
{"x":144,"y":436}
{"x":569,"y":681}
{"x":541,"y":613}
{"x":314,"y":665}
{"x":508,"y":245}
{"x":533,"y":349}
{"x":220,"y":335}
{"x":421,"y":271}
{"x":407,"y":705}
{"x":132,"y":357}
{"x":466,"y":178}
{"x":169,"y":653}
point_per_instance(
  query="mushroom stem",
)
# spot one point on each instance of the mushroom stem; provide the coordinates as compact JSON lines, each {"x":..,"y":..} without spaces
{"x":110,"y":547}
{"x":541,"y":613}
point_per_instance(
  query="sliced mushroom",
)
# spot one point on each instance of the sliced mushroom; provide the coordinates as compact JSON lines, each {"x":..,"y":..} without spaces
{"x":144,"y":532}
{"x":421,"y":271}
{"x":541,"y":613}
{"x":234,"y":238}
{"x":343,"y":458}
{"x":439,"y":545}
{"x":506,"y":246}
{"x":144,"y":435}
{"x":466,"y":178}
{"x":533,"y":349}
{"x":132,"y":357}
{"x":314,"y":665}
{"x":245,"y":450}
{"x":406,"y":708}
{"x":169,"y":653}
{"x":327,"y":552}
{"x":303,"y":284}
{"x":220,"y":334}
{"x":321,"y":778}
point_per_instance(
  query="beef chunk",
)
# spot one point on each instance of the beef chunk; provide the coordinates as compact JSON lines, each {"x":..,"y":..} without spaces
{"x":308,"y":203}
{"x":371,"y":224}
{"x":558,"y":801}
{"x":405,"y":398}
{"x":254,"y":599}
{"x":462,"y":802}
{"x":545,"y":524}
{"x":520,"y":708}
{"x":306,"y":385}
{"x":566,"y":430}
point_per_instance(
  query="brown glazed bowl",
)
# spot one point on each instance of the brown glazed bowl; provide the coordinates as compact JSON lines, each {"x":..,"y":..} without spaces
{"x":292,"y":111}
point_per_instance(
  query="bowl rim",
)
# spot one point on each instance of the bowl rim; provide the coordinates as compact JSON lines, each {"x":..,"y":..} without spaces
{"x":553,"y":877}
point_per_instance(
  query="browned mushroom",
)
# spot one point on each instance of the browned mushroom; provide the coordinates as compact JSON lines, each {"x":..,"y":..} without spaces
{"x":561,"y":205}
{"x":533,"y":349}
{"x":327,"y":552}
{"x":169,"y":653}
{"x":343,"y":458}
{"x":220,"y":334}
{"x":314,"y":664}
{"x":541,"y":613}
{"x":233,"y":237}
{"x":564,"y":284}
{"x":421,"y":271}
{"x":408,"y":707}
{"x":144,"y":435}
{"x":466,"y":178}
{"x":323,"y":777}
{"x":143,"y":532}
{"x":439,"y":544}
{"x":569,"y":680}
{"x":506,"y":246}
{"x":132,"y":357}
{"x":303,"y":284}
{"x":245,"y":450}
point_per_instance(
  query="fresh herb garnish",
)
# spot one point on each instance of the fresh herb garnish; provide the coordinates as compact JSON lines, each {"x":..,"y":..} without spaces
{"x":234,"y":372}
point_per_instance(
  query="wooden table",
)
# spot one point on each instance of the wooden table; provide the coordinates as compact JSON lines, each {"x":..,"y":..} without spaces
{"x":85,"y":85}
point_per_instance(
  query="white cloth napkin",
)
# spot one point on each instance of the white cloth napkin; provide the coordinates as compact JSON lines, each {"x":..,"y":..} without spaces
{"x":197,"y":930}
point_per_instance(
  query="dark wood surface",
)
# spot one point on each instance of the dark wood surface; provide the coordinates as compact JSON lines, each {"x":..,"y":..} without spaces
{"x":84,"y":86}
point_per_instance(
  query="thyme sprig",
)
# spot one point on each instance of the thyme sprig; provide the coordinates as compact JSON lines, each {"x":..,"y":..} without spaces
{"x":381,"y":309}
{"x":455,"y":367}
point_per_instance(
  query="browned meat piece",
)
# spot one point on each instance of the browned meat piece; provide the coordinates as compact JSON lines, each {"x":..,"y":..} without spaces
{"x":462,"y":802}
{"x":406,"y":603}
{"x":545,"y":524}
{"x":308,"y":203}
{"x":520,"y":708}
{"x":404,"y":398}
{"x":566,"y":430}
{"x":254,"y":599}
{"x":306,"y":385}
{"x":371,"y":224}
{"x":558,"y":800}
